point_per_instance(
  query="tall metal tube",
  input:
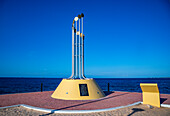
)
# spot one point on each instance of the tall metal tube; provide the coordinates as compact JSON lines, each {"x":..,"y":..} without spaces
{"x":79,"y":53}
{"x":72,"y":76}
{"x":72,"y":51}
{"x":82,"y":49}
{"x":76,"y":50}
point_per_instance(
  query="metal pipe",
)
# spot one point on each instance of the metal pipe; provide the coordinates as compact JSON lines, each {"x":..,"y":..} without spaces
{"x":76,"y":50}
{"x":82,"y":49}
{"x":72,"y":76}
{"x":79,"y":52}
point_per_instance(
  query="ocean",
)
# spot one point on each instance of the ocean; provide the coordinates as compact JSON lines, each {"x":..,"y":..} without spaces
{"x":23,"y":85}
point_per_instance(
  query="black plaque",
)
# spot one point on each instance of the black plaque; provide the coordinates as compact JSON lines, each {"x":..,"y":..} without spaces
{"x":83,"y":90}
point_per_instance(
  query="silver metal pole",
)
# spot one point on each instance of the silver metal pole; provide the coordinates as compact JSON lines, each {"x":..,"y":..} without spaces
{"x":82,"y":50}
{"x":72,"y":76}
{"x":76,"y":49}
{"x":79,"y":52}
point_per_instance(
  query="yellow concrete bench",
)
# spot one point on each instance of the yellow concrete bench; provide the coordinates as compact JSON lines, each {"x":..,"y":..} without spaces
{"x":150,"y":94}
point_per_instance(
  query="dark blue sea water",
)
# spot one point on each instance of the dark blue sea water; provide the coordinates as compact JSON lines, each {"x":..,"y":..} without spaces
{"x":22,"y":85}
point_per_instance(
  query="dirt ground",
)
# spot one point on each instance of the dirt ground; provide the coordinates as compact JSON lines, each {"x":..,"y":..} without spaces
{"x":137,"y":110}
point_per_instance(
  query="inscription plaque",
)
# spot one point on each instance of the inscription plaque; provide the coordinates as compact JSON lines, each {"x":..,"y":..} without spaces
{"x":83,"y":90}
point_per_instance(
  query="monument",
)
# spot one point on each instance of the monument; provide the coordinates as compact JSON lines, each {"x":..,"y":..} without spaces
{"x":78,"y":87}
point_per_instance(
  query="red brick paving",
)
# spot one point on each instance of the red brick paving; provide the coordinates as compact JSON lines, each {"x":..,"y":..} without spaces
{"x":44,"y":100}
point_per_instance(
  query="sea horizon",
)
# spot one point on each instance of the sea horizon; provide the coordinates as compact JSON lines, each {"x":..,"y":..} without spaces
{"x":98,"y":77}
{"x":9,"y":85}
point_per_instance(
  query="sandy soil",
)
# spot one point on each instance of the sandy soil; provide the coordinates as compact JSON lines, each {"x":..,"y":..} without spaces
{"x":138,"y":110}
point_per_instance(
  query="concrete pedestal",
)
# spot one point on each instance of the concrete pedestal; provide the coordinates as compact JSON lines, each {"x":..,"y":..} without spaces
{"x":78,"y":89}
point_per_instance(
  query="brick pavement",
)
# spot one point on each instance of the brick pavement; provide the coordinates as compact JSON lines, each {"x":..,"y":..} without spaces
{"x":44,"y":100}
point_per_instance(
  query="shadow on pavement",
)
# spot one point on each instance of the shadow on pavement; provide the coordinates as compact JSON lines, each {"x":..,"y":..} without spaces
{"x":162,"y":100}
{"x":136,"y":110}
{"x":85,"y":103}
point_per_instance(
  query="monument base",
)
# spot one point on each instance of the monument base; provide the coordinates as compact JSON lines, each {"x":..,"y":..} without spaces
{"x":78,"y":89}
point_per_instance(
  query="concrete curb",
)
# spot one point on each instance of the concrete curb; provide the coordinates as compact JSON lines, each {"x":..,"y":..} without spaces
{"x":69,"y":111}
{"x":76,"y":111}
{"x":10,"y":106}
{"x":165,"y":105}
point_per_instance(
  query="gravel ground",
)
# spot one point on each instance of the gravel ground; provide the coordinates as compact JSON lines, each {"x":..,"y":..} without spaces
{"x":137,"y":110}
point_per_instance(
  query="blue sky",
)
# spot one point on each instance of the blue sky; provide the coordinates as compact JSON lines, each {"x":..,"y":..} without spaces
{"x":123,"y":38}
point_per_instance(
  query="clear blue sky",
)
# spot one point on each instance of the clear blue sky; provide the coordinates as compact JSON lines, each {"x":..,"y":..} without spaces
{"x":124,"y":38}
